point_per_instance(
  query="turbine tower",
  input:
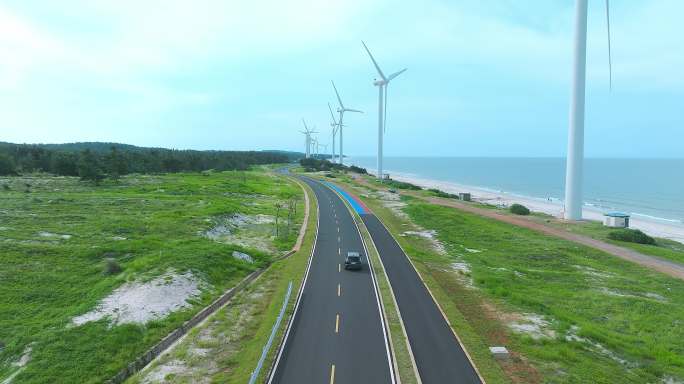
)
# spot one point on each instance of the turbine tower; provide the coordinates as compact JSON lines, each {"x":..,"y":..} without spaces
{"x":575,"y":158}
{"x":307,"y":133}
{"x":342,"y":109}
{"x":382,"y":106}
{"x":335,"y":127}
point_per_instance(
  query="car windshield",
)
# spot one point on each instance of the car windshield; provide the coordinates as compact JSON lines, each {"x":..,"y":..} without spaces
{"x":354,"y":259}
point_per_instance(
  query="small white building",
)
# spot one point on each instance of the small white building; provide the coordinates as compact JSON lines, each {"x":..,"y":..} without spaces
{"x":616,"y":220}
{"x":464,"y":196}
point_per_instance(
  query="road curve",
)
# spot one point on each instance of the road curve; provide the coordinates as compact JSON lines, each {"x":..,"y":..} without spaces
{"x":337,"y":334}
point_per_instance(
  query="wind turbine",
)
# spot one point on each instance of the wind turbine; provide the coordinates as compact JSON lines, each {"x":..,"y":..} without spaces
{"x":575,"y":157}
{"x":342,"y":109}
{"x":382,"y":107}
{"x":335,"y":127}
{"x":307,"y":132}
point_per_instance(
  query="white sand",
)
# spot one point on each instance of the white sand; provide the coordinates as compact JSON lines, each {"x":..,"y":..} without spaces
{"x":138,"y":302}
{"x":673,"y":231}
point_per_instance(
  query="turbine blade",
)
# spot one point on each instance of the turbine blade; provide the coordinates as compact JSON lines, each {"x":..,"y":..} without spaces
{"x":374,"y":62}
{"x":332,"y":114}
{"x":305,"y":127}
{"x":338,"y":94}
{"x":395,"y":74}
{"x":610,"y":64}
{"x":352,"y":110}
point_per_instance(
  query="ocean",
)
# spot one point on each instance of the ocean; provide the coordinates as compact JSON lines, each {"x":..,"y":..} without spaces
{"x":648,"y":188}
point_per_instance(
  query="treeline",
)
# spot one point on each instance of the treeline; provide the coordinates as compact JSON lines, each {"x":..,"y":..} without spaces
{"x":315,"y":165}
{"x":96,"y":161}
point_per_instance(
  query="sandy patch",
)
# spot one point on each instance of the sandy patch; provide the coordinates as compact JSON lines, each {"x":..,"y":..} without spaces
{"x":243,"y":256}
{"x":243,"y":230}
{"x":54,"y":235}
{"x":160,"y":373}
{"x":140,"y":302}
{"x":647,"y":295}
{"x":20,"y":364}
{"x":593,"y":272}
{"x":533,"y":325}
{"x":597,"y":347}
{"x":431,"y":237}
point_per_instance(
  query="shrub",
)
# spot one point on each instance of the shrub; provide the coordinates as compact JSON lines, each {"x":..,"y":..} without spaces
{"x":360,"y":170}
{"x":401,"y":185}
{"x":112,"y":267}
{"x":519,"y":209}
{"x":440,"y":193}
{"x":631,"y":236}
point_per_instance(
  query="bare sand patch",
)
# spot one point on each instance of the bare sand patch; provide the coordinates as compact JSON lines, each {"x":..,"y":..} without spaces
{"x":532,"y":325}
{"x":248,"y":231}
{"x":139,"y":302}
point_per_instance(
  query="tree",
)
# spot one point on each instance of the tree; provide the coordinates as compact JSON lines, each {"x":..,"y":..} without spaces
{"x":6,"y":165}
{"x":116,"y":164}
{"x":89,"y":167}
{"x":65,"y":164}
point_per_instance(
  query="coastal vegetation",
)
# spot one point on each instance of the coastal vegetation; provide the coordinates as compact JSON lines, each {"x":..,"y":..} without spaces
{"x":631,"y":236}
{"x":77,"y":258}
{"x":519,"y":209}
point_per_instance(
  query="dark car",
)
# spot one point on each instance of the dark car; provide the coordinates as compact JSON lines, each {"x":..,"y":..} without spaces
{"x":353,"y":261}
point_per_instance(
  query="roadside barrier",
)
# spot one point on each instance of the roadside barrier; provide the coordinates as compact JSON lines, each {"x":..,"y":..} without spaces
{"x":267,"y":347}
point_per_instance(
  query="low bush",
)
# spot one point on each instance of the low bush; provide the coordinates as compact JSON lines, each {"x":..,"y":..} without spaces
{"x":440,"y":193}
{"x":631,"y":236}
{"x":401,"y":185}
{"x":112,"y":267}
{"x":519,"y":209}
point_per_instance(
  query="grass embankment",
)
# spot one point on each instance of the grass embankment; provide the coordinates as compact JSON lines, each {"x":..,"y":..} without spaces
{"x":603,"y":320}
{"x":228,"y":345}
{"x":58,"y":234}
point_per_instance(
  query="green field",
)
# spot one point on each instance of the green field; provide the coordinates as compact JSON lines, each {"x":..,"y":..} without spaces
{"x":227,"y":346}
{"x":58,"y":234}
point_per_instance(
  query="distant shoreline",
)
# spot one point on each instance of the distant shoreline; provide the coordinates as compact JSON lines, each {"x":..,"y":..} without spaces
{"x":664,"y":228}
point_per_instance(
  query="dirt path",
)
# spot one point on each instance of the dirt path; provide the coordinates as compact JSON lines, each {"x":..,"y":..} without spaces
{"x":667,"y":267}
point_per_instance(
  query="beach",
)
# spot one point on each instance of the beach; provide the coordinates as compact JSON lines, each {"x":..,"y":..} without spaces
{"x":550,"y":206}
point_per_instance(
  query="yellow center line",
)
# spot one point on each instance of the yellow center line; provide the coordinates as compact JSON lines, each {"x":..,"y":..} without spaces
{"x":332,"y":374}
{"x":339,"y":290}
{"x":337,"y":323}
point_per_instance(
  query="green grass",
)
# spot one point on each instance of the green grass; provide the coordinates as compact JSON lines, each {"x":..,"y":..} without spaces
{"x":663,"y":248}
{"x":46,"y":281}
{"x":633,"y":312}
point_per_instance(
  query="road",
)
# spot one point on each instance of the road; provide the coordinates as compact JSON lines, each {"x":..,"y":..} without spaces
{"x":438,"y":354}
{"x":337,"y":335}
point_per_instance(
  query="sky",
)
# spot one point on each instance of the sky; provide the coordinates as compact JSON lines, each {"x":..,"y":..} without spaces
{"x":484,"y":78}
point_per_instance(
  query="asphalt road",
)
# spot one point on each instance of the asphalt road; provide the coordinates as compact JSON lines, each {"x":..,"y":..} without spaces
{"x":438,"y":354}
{"x":337,"y":334}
